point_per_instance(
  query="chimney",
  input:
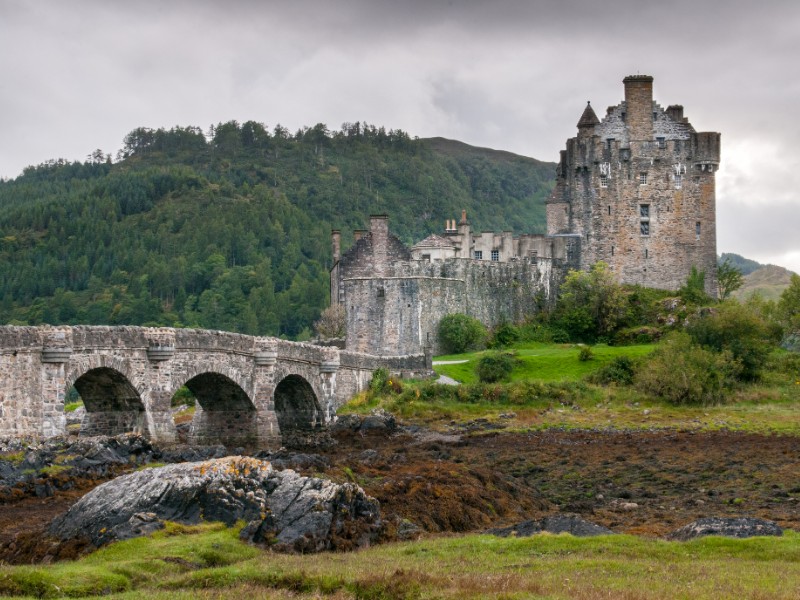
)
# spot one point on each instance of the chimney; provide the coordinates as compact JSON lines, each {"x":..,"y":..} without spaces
{"x":675,"y":113}
{"x":379,"y":234}
{"x":336,"y":241}
{"x":358,"y":234}
{"x":464,"y":217}
{"x":639,"y":111}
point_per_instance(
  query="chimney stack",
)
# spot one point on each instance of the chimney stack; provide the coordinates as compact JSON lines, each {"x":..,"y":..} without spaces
{"x":639,"y":111}
{"x":336,"y":241}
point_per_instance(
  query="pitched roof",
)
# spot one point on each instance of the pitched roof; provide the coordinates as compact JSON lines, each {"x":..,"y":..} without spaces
{"x":434,"y":241}
{"x":588,"y":118}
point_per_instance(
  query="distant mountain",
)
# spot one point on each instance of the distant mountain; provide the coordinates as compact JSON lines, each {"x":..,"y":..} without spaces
{"x":745,"y":265}
{"x":231,"y":229}
{"x":768,"y":281}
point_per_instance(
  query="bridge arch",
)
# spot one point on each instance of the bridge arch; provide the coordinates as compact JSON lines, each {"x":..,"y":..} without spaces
{"x":297,"y":406}
{"x":224,"y":411}
{"x":112,"y":401}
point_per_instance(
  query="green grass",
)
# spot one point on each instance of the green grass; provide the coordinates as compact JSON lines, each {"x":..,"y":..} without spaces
{"x":544,"y":362}
{"x":209,"y":561}
{"x":549,"y":389}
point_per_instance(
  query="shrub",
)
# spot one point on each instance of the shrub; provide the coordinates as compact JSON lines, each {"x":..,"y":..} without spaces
{"x":504,"y":334}
{"x":694,"y":290}
{"x":737,"y":329}
{"x":460,"y":333}
{"x":590,"y":304}
{"x":637,"y":335}
{"x":585,"y":354}
{"x":332,"y":323}
{"x":621,"y":370}
{"x":681,"y":372}
{"x":380,"y":379}
{"x":495,"y":366}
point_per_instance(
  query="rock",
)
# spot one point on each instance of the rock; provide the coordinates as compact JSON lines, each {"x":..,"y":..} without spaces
{"x":738,"y":527}
{"x":406,"y":530}
{"x":572,"y":524}
{"x":76,"y":416}
{"x":281,"y":508}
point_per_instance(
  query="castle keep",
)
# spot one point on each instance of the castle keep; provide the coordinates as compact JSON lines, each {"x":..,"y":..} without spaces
{"x":635,"y":190}
{"x":638,"y":188}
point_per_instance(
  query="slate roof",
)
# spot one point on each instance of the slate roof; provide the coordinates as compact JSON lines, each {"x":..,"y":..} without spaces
{"x":588,"y":118}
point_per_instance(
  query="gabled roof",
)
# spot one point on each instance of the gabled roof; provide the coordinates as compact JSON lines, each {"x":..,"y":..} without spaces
{"x":434,"y":241}
{"x":588,"y":118}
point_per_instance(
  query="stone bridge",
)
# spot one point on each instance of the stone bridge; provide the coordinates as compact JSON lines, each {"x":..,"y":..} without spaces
{"x":250,"y":391}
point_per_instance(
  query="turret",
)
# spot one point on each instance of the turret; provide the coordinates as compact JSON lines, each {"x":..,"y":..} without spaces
{"x":587,"y":121}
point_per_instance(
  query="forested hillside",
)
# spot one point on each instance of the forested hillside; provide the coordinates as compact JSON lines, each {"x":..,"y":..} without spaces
{"x":231,"y":230}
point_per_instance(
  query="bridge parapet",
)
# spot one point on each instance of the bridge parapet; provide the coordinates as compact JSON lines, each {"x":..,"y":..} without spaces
{"x":127,"y":377}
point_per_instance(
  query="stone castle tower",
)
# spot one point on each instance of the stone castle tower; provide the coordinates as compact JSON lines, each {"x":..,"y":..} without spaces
{"x":638,"y":188}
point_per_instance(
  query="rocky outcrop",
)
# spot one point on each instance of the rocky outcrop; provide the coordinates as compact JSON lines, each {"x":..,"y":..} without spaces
{"x":281,"y":508}
{"x":571,"y":524}
{"x":738,"y":527}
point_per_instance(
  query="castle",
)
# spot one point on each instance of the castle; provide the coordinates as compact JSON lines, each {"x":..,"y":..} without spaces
{"x":635,"y":190}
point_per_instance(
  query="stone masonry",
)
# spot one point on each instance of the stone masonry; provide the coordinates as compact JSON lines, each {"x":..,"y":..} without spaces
{"x":635,"y":190}
{"x":638,"y":188}
{"x":250,"y":391}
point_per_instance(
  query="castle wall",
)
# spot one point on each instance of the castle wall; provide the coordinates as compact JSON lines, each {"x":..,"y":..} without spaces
{"x":639,"y":190}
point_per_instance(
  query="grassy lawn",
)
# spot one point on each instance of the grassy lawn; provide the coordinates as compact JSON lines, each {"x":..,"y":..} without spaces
{"x":548,"y":389}
{"x":543,"y":362}
{"x":210,"y":562}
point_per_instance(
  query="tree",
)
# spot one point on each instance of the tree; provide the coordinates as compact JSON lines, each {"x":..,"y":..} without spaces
{"x":729,"y":278}
{"x":332,"y":322}
{"x":789,"y":304}
{"x":459,"y":333}
{"x":739,"y":330}
{"x":590,"y":305}
{"x":694,"y":290}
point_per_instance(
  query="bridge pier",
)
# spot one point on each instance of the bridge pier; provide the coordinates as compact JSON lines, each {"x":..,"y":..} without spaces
{"x":251,"y":391}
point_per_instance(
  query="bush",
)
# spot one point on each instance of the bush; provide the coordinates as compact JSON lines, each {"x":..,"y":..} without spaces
{"x":694,"y":290}
{"x":495,"y":366}
{"x":681,"y":372}
{"x":380,"y":379}
{"x":504,"y":335}
{"x":637,"y":335}
{"x":737,"y":329}
{"x":459,"y":333}
{"x":621,"y":370}
{"x":585,"y":354}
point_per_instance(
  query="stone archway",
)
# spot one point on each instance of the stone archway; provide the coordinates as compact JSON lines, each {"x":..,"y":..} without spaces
{"x":224,"y":413}
{"x":297,"y":407}
{"x":112,"y":403}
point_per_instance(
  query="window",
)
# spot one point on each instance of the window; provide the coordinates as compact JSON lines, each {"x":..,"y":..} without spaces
{"x":495,"y":255}
{"x":678,"y":182}
{"x":697,"y":229}
{"x":478,"y":255}
{"x":609,"y":210}
{"x":662,"y":142}
{"x":426,"y":257}
{"x":612,"y":250}
{"x":604,"y":181}
{"x":642,"y":178}
{"x":646,"y":253}
{"x":644,"y":219}
{"x":609,"y":143}
{"x":381,"y":292}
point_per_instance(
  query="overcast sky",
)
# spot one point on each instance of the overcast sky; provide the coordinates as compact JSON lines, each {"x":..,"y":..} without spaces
{"x":508,"y":74}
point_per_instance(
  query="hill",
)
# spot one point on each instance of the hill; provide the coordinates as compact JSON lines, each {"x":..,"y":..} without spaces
{"x":231,"y":229}
{"x":769,"y":281}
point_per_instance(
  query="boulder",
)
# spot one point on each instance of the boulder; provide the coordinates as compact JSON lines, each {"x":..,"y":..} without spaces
{"x":572,"y":524}
{"x":738,"y":527}
{"x":280,"y":508}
